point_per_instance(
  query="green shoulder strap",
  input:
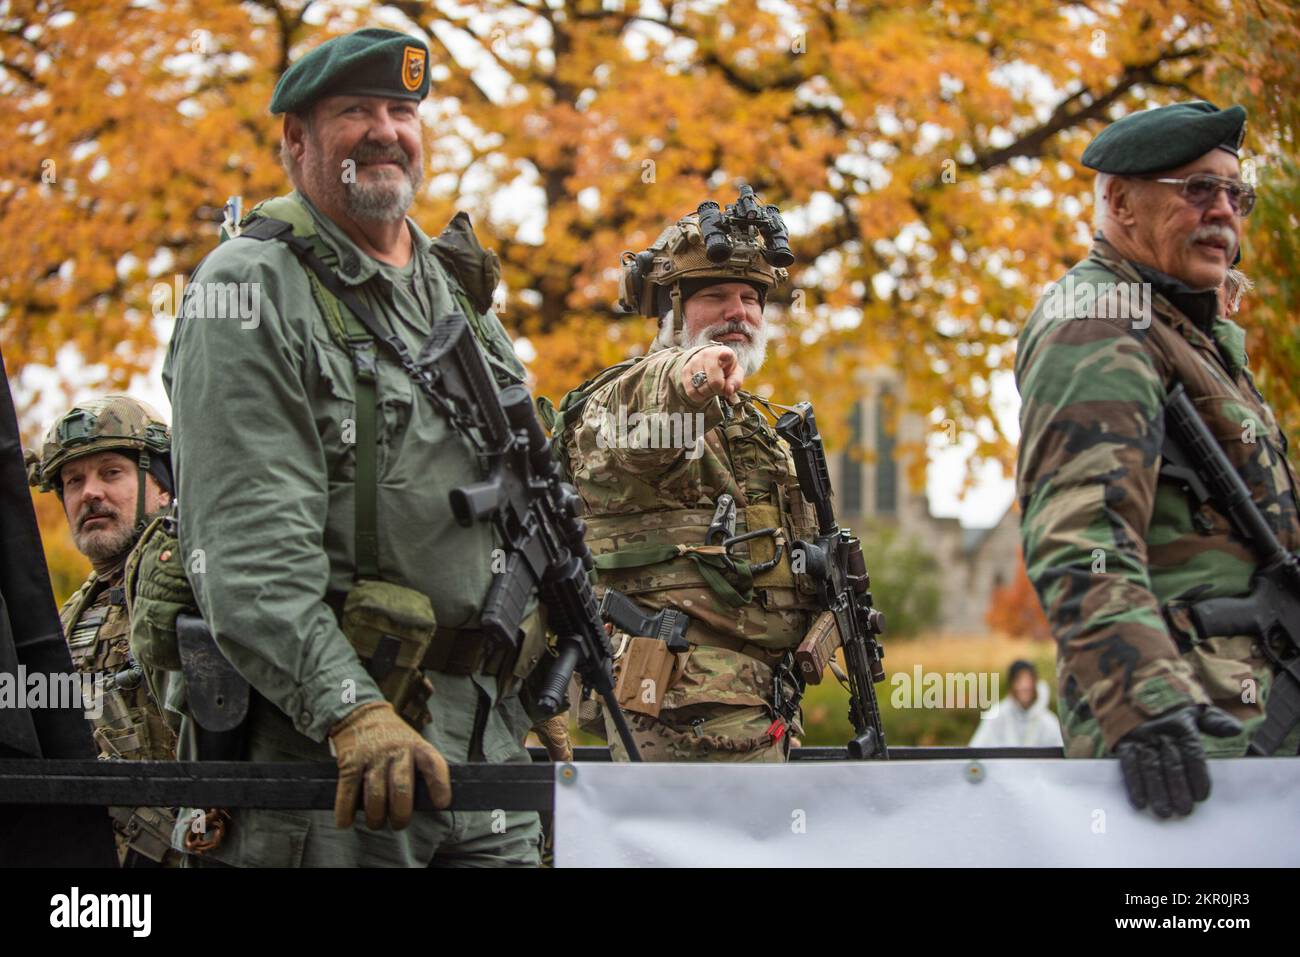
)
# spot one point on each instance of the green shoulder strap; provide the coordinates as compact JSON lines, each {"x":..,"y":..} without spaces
{"x":267,"y":221}
{"x":710,"y":561}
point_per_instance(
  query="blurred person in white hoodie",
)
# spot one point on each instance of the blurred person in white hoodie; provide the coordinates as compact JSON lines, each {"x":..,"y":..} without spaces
{"x":1021,"y":719}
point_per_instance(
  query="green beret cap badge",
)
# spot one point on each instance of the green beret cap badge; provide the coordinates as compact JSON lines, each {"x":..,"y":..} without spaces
{"x":369,"y":62}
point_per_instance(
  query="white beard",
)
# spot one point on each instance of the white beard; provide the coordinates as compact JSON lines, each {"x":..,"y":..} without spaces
{"x":751,"y":354}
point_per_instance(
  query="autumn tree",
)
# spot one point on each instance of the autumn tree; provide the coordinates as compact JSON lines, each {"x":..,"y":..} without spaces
{"x":1259,"y":66}
{"x":926,"y":157}
{"x":1014,"y":608}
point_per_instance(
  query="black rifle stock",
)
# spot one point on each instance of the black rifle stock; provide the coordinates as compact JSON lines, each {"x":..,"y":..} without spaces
{"x":1272,"y":609}
{"x":834,"y":561}
{"x":535,"y":513}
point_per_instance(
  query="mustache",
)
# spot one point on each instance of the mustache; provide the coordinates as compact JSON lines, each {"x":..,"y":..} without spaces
{"x":1214,"y":231}
{"x":727,"y":328}
{"x":95,"y":511}
{"x":371,"y":153}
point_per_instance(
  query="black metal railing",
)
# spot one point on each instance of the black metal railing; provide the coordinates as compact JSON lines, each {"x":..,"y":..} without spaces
{"x":310,"y":786}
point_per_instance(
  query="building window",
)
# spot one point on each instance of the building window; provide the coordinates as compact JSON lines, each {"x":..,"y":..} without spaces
{"x":850,"y":490}
{"x":886,"y":467}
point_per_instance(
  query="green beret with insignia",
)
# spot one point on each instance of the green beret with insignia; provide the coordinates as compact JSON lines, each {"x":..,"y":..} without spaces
{"x":1165,"y":138}
{"x":370,"y":62}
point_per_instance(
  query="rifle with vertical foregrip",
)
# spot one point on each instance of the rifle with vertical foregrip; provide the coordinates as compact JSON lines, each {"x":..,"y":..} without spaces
{"x":1272,"y":609}
{"x":835,"y":563}
{"x":536,"y":515}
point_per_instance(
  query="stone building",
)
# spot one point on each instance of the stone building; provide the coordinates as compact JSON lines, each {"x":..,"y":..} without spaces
{"x":972,"y":561}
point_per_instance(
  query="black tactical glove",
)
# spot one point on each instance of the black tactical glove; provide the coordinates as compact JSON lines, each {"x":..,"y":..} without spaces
{"x":1163,"y":759}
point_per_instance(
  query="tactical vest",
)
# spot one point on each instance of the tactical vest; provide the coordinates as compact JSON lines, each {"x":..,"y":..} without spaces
{"x":472,"y":273}
{"x":130,"y":726}
{"x":748,"y":598}
{"x":287,"y":220}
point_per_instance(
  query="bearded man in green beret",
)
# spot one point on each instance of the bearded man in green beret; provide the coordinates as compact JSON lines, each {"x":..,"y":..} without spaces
{"x":1117,"y":545}
{"x":314,"y":477}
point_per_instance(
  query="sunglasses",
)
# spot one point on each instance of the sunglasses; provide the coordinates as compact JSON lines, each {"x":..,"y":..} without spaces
{"x":1202,"y":189}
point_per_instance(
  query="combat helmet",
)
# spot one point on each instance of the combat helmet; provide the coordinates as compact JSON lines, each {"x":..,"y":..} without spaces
{"x":746,"y":242}
{"x":112,"y":423}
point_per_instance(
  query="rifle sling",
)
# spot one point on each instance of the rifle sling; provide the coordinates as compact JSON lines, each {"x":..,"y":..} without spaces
{"x":361,"y":341}
{"x":1282,"y":712}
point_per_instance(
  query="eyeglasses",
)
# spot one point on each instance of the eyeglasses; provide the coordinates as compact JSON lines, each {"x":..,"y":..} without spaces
{"x":1202,"y":189}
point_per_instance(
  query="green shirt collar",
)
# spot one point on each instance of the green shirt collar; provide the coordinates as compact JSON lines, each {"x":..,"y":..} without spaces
{"x":353,"y":265}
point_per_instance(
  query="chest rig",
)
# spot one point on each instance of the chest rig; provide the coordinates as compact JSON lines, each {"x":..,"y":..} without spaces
{"x":736,"y":549}
{"x":130,"y":725}
{"x":472,"y":275}
{"x":97,"y":628}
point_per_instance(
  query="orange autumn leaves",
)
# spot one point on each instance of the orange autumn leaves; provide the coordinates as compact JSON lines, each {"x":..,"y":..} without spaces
{"x":926,"y":157}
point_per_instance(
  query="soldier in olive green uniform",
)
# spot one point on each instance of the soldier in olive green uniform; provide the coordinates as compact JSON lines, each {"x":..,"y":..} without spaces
{"x":314,"y":478}
{"x":656,"y":447}
{"x":107,"y":460}
{"x":1116,"y":545}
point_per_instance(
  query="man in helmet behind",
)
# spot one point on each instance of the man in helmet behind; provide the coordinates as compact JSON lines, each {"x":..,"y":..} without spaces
{"x":108,"y":460}
{"x":672,"y":459}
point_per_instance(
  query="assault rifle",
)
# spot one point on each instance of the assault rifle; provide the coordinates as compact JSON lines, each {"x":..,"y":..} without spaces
{"x":1272,"y":609}
{"x":834,"y":561}
{"x":535,"y":513}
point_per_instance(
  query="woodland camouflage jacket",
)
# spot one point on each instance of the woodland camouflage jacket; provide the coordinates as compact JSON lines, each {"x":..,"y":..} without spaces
{"x":1112,"y":546}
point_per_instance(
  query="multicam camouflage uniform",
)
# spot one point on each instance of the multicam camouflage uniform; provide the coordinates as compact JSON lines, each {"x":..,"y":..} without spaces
{"x":96,"y":625}
{"x":719,"y":703}
{"x":131,"y":726}
{"x":1115,"y":548}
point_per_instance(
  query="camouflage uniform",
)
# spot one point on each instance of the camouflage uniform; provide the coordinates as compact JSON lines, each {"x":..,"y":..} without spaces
{"x":719,"y":703}
{"x":96,"y":625}
{"x":1115,"y":548}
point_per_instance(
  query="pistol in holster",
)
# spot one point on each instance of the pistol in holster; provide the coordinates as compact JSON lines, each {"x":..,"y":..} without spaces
{"x":218,"y":694}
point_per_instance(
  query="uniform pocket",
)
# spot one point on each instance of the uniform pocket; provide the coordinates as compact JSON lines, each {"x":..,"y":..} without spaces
{"x":396,"y":396}
{"x":1238,"y":427}
{"x":264,"y":838}
{"x":336,"y":405}
{"x":717,"y":676}
{"x":1252,"y":445}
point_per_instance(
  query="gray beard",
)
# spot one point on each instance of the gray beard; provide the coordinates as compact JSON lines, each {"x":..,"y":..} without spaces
{"x":386,"y":201}
{"x":380,"y":202}
{"x":751,"y":354}
{"x":105,"y":546}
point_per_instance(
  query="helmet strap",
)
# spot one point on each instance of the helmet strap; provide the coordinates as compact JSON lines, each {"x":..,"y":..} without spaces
{"x":142,"y":470}
{"x":679,"y":313}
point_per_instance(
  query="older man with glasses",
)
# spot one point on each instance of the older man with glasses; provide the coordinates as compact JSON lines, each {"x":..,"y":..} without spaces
{"x":1119,"y":548}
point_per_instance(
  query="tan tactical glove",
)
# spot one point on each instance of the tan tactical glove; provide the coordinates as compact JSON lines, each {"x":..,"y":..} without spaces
{"x":374,"y":745}
{"x":554,"y":735}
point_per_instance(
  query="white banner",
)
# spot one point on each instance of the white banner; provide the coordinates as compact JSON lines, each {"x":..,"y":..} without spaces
{"x":995,"y":813}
